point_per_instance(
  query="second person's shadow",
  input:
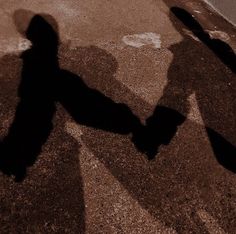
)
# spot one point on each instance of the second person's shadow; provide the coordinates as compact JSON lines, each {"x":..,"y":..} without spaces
{"x":203,"y":67}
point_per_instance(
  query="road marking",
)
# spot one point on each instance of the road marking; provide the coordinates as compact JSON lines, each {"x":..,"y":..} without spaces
{"x":210,"y":223}
{"x":139,"y":40}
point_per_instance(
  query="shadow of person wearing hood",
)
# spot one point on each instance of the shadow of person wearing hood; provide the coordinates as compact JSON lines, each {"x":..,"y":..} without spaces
{"x":42,"y":85}
{"x":32,"y":123}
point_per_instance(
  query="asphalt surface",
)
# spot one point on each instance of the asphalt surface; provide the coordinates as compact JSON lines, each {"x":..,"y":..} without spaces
{"x":226,"y":8}
{"x":85,"y":174}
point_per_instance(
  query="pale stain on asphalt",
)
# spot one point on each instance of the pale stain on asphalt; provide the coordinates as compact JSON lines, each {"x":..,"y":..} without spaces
{"x":139,"y":40}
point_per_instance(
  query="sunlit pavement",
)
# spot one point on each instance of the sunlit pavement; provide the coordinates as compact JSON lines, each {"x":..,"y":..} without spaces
{"x":88,"y":180}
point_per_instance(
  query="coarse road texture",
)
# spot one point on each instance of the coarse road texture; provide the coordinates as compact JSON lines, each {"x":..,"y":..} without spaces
{"x":227,"y":8}
{"x":86,"y":157}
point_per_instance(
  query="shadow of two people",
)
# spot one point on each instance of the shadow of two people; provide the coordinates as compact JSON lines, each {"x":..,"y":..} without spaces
{"x":43,"y":84}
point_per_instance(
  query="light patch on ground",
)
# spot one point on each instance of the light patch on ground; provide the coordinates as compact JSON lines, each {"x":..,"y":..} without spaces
{"x":199,"y":12}
{"x":210,"y":223}
{"x":107,"y":201}
{"x":14,"y":45}
{"x":139,"y":40}
{"x":74,"y":130}
{"x":194,"y":113}
{"x":218,"y":35}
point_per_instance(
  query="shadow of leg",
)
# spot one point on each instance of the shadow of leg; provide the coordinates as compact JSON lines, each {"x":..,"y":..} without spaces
{"x":29,"y":131}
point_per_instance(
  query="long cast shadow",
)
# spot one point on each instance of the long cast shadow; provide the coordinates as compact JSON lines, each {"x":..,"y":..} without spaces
{"x":43,"y":84}
{"x":31,"y":127}
{"x":33,"y":118}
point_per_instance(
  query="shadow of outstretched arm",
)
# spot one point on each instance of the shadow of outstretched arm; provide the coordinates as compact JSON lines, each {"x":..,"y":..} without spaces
{"x":90,"y":107}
